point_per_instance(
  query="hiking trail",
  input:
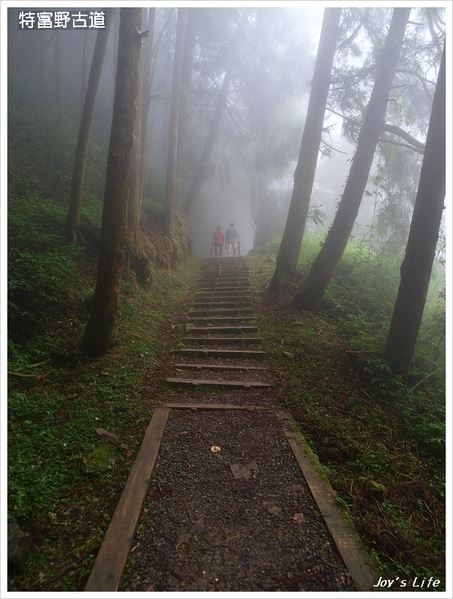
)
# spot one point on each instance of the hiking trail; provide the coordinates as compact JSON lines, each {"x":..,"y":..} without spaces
{"x":223,"y":495}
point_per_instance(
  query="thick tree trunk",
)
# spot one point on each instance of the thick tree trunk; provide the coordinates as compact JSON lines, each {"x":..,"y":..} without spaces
{"x":421,"y":244}
{"x":172,"y":186}
{"x":59,"y":95}
{"x":146,"y":99}
{"x":115,"y":40}
{"x":312,"y":289}
{"x":134,"y":204}
{"x":186,"y":82}
{"x":102,"y":321}
{"x":78,"y":173}
{"x":199,"y":175}
{"x":288,"y":253}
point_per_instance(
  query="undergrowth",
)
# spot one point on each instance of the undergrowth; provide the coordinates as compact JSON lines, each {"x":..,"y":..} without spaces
{"x":58,"y":397}
{"x":379,"y":437}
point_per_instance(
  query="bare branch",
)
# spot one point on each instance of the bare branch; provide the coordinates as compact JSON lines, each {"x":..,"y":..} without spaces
{"x":414,"y":143}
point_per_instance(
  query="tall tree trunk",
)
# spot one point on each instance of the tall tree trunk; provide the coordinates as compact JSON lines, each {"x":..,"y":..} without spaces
{"x":115,"y":40}
{"x":172,"y":186}
{"x":147,"y":81}
{"x":78,"y":173}
{"x":103,"y":317}
{"x":44,"y":69}
{"x":304,"y":175}
{"x":312,"y":289}
{"x":186,"y":82}
{"x":421,"y":244}
{"x":83,"y":76}
{"x":59,"y":95}
{"x":198,"y":178}
{"x":133,"y":204}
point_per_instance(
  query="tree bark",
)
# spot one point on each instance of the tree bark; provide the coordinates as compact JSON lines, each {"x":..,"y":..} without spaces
{"x":103,"y":317}
{"x":78,"y":173}
{"x":313,"y":287}
{"x":199,"y":175}
{"x":172,"y":186}
{"x":186,"y":82}
{"x":147,"y":80}
{"x":134,"y":204}
{"x":421,"y":245}
{"x":59,"y":96}
{"x":288,"y":254}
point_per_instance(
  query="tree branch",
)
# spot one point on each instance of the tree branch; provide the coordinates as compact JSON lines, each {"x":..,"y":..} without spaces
{"x":414,"y":143}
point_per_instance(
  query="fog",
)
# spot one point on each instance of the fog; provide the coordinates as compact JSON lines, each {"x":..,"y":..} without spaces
{"x":269,"y":54}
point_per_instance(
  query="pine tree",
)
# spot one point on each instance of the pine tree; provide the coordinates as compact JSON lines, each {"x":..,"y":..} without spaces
{"x":321,"y":272}
{"x":103,"y":317}
{"x":421,"y":244}
{"x":289,"y":250}
{"x":75,"y":196}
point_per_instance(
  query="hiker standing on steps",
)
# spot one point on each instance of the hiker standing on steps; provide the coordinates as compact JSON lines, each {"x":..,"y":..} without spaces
{"x":232,"y":241}
{"x":218,"y":240}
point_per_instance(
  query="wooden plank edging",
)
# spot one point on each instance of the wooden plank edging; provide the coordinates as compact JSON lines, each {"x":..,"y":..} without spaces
{"x":344,"y":535}
{"x":111,"y":558}
{"x":213,"y":406}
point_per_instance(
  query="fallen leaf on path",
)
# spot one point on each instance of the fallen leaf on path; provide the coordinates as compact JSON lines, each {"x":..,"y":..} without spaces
{"x":215,"y":449}
{"x":299,"y":518}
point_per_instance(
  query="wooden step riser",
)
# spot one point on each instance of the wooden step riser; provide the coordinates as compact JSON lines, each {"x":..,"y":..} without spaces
{"x":217,"y":383}
{"x":225,"y":280}
{"x":203,"y":366}
{"x":235,"y":290}
{"x":214,"y":304}
{"x":221,"y":312}
{"x":191,"y":351}
{"x":224,"y":294}
{"x":224,"y":329}
{"x":216,"y":319}
{"x":219,"y":340}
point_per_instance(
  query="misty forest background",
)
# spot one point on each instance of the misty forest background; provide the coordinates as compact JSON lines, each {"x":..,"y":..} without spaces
{"x":228,"y":115}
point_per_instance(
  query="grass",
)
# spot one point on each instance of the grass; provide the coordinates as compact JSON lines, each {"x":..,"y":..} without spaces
{"x":58,"y":398}
{"x":379,"y":440}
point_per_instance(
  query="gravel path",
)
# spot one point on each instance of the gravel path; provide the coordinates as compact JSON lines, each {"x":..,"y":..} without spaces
{"x":203,"y":529}
{"x":228,"y":508}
